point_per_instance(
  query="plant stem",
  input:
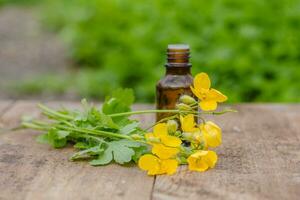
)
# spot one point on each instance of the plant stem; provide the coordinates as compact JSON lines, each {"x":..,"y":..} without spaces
{"x":218,"y":113}
{"x":95,"y":132}
{"x":34,"y":126}
{"x":41,"y":126}
{"x":148,"y":111}
{"x":169,"y":111}
{"x":53,"y":112}
{"x":162,"y":120}
{"x":92,"y":137}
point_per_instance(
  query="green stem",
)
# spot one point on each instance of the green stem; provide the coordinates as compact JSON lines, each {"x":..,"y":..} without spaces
{"x":218,"y":113}
{"x":168,"y":111}
{"x":92,"y":137}
{"x":148,"y":111}
{"x":34,"y":126}
{"x":41,"y":126}
{"x":95,"y":132}
{"x":53,"y":112}
{"x":162,"y":120}
{"x":194,"y":104}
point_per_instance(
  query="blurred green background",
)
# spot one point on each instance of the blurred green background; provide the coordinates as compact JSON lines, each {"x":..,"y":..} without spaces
{"x":250,"y":49}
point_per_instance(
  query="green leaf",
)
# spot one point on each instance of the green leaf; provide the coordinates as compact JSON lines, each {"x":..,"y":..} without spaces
{"x":125,"y":95}
{"x":129,"y":128}
{"x":139,"y":151}
{"x":122,"y":154}
{"x":106,"y":121}
{"x":120,"y":151}
{"x":103,"y":159}
{"x":87,"y":153}
{"x":81,"y":145}
{"x":43,"y":139}
{"x":62,"y":134}
{"x":57,"y":138}
{"x":120,"y":101}
{"x":92,"y":117}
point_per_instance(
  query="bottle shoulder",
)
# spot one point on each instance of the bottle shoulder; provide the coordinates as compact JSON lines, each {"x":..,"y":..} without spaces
{"x":175,"y":81}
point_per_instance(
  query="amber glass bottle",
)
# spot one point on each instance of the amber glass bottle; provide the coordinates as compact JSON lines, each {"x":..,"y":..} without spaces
{"x":177,"y":80}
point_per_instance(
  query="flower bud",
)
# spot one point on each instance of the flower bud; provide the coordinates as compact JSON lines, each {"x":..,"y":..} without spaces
{"x":187,"y":136}
{"x":153,"y":139}
{"x":136,"y":136}
{"x":177,"y":133}
{"x":186,"y":99}
{"x":197,"y":136}
{"x":184,"y":107}
{"x":172,"y":126}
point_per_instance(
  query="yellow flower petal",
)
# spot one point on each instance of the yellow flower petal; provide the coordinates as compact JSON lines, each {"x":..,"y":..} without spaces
{"x":212,"y":133}
{"x":211,"y":159}
{"x":171,"y":141}
{"x":202,"y":160}
{"x":199,"y":166}
{"x":149,"y":135}
{"x":169,"y":166}
{"x":201,"y":80}
{"x":149,"y":163}
{"x":216,"y":95}
{"x":196,"y":93}
{"x":188,"y":123}
{"x":164,"y":152}
{"x":208,"y":105}
{"x":151,"y":138}
{"x":160,"y":129}
{"x":195,"y":162}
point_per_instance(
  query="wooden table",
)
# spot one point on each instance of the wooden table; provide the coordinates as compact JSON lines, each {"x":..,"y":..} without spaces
{"x":259,"y":159}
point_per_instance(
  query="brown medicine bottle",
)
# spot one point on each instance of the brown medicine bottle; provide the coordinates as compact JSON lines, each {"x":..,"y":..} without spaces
{"x":177,"y":80}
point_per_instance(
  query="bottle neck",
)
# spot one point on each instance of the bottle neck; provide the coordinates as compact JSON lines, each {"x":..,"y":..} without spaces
{"x":178,"y":60}
{"x":184,"y":70}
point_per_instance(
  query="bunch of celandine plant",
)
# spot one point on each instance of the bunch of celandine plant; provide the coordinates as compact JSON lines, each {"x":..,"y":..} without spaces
{"x":167,"y":139}
{"x":108,"y":134}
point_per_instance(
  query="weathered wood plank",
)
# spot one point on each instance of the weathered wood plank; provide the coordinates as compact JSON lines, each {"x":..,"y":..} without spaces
{"x":34,"y":171}
{"x":259,"y":159}
{"x":4,"y":107}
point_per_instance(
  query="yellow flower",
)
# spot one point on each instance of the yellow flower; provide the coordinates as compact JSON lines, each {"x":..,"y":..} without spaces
{"x":209,"y":97}
{"x":155,"y":165}
{"x":202,"y":160}
{"x":164,"y":146}
{"x":190,"y":129}
{"x":188,"y":123}
{"x":164,"y":152}
{"x":212,"y":134}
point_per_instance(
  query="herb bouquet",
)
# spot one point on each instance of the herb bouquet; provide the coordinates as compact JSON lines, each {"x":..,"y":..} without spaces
{"x":108,"y":135}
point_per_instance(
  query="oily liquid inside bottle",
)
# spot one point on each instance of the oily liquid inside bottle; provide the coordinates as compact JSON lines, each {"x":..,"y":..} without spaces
{"x":177,"y":80}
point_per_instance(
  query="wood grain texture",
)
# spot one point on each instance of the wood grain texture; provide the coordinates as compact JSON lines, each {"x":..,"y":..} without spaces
{"x":4,"y":107}
{"x":259,"y":159}
{"x":34,"y":171}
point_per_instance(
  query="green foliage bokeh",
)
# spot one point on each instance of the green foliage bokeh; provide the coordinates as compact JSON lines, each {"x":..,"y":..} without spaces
{"x":251,"y":49}
{"x":17,"y":2}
